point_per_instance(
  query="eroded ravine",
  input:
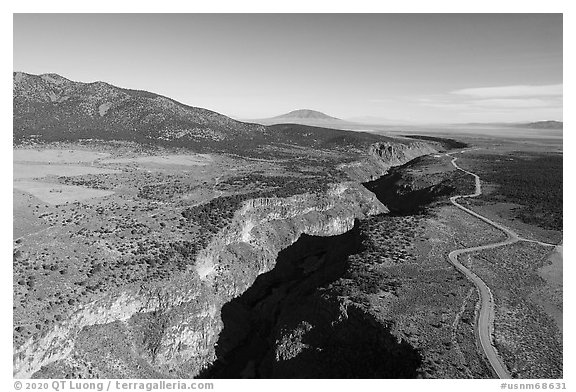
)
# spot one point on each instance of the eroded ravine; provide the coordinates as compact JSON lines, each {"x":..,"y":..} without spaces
{"x":288,"y":325}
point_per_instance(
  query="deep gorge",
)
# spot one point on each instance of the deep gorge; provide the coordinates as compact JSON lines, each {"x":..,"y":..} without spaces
{"x":258,"y":303}
{"x":291,"y":324}
{"x":402,"y":197}
{"x":335,"y":338}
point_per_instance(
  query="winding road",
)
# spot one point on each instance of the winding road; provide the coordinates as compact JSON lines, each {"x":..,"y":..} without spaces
{"x":485,"y":320}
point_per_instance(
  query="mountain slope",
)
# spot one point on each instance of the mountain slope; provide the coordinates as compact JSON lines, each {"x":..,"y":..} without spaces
{"x":51,"y":108}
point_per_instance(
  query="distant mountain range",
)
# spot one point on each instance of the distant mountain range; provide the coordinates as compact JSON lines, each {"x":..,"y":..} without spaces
{"x":550,"y":124}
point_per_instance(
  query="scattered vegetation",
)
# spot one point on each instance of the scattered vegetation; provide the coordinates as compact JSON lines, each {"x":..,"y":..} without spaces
{"x":526,"y":336}
{"x":448,"y":143}
{"x":218,"y":212}
{"x":89,"y":181}
{"x":532,"y":180}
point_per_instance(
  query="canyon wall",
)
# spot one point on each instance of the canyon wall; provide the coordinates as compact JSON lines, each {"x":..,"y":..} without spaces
{"x":382,"y":156}
{"x":173,"y":326}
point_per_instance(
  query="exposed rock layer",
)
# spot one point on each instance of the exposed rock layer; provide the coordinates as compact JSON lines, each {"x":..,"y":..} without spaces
{"x":178,"y":338}
{"x":288,"y":325}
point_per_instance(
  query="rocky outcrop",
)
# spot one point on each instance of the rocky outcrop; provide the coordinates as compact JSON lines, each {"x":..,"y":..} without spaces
{"x":59,"y":342}
{"x":325,"y":336}
{"x":227,"y":267}
{"x":289,"y":324}
{"x":383,"y":156}
{"x":395,"y":154}
{"x":179,"y":337}
{"x":248,"y":248}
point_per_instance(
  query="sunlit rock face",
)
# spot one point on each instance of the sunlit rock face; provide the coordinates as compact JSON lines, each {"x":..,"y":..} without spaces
{"x":383,"y":156}
{"x":170,"y":328}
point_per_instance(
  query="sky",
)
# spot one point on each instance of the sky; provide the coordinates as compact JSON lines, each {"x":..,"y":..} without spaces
{"x":422,"y":68}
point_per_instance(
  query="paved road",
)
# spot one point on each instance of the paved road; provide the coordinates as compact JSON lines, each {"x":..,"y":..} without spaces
{"x":485,"y":322}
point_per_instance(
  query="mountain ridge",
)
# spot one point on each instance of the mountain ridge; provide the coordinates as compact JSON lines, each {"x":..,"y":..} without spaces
{"x":61,"y":109}
{"x":51,"y":108}
{"x":546,"y":124}
{"x":543,"y":124}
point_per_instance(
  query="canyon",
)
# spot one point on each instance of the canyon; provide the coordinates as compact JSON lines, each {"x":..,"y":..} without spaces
{"x":153,"y":239}
{"x":274,"y":253}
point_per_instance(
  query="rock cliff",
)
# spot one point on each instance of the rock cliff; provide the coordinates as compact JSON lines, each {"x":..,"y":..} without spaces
{"x":382,"y":156}
{"x":170,"y":329}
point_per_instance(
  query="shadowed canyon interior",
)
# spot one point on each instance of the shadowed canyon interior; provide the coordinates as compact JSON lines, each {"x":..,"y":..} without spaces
{"x":286,"y":325}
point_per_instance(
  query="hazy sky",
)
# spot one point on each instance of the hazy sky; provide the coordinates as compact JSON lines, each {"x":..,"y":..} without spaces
{"x":426,"y":68}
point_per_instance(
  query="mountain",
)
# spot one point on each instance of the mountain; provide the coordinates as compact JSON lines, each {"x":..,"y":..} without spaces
{"x":550,"y":124}
{"x":305,"y":117}
{"x":306,"y":114}
{"x":50,"y":107}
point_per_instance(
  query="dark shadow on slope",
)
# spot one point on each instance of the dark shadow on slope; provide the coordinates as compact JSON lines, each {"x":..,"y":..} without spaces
{"x":401,"y":198}
{"x":355,"y":346}
{"x":252,"y":322}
